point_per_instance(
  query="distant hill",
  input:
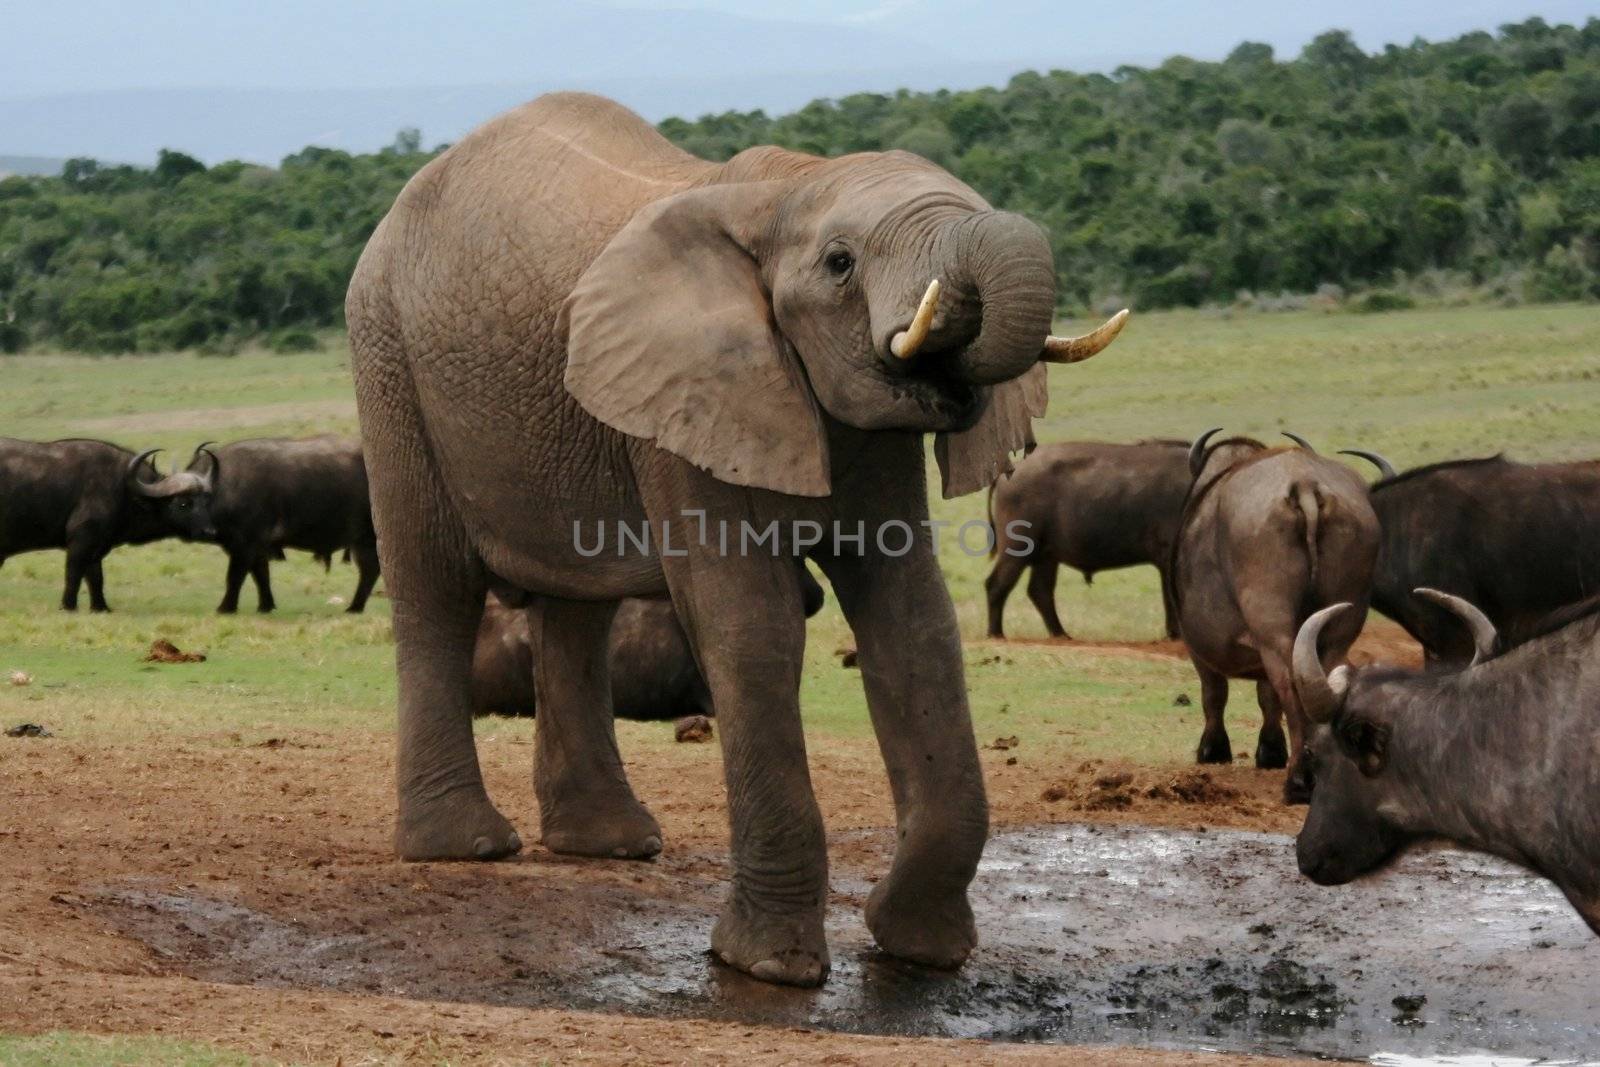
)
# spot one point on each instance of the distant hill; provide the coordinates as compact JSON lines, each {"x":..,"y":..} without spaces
{"x":30,"y":165}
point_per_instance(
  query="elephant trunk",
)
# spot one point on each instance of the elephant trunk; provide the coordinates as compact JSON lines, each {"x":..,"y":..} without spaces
{"x":1004,"y":261}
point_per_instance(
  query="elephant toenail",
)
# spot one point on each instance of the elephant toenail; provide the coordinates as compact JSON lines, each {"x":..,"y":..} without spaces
{"x":652,"y":845}
{"x":514,"y":843}
{"x":768,"y":971}
{"x":483,"y":848}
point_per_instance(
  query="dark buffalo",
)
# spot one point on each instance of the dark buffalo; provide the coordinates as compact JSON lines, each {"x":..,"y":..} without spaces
{"x":1518,"y":540}
{"x":1091,"y":506}
{"x":275,"y":493}
{"x":1502,"y":756}
{"x":1268,"y":536}
{"x":88,"y":497}
{"x":653,"y":672}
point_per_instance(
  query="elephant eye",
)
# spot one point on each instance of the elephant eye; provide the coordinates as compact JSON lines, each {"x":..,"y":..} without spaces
{"x":840,"y":263}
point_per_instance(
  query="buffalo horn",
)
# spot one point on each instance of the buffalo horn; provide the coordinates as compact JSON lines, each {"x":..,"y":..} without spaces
{"x":1197,"y":451}
{"x":216,"y":464}
{"x":133,"y":470}
{"x":1320,"y":694}
{"x":1078,"y":349}
{"x":1385,"y":468}
{"x":906,"y":343}
{"x":1301,"y":441}
{"x":1483,"y":632}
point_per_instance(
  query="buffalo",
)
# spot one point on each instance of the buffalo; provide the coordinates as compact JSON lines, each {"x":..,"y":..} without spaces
{"x":1498,"y":756}
{"x":1268,"y":536}
{"x":274,"y":493}
{"x":1517,"y":540}
{"x":1091,"y":506}
{"x":653,"y":671}
{"x":88,"y":497}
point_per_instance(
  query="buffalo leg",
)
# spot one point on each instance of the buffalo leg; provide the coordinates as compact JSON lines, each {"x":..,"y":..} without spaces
{"x":1297,"y":785}
{"x":1169,"y":606}
{"x":1214,"y":744}
{"x":95,"y":574}
{"x":1271,"y":751}
{"x":78,"y":557}
{"x":1042,"y":591}
{"x":586,"y":806}
{"x":238,"y":569}
{"x":366,"y":557}
{"x":261,"y":571}
{"x":998,"y":585}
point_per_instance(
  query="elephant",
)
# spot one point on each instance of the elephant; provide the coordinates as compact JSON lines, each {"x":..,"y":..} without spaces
{"x":567,"y":331}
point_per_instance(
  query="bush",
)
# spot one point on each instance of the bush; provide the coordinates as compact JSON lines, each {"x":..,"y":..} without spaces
{"x":287,"y":341}
{"x":1384,"y":300}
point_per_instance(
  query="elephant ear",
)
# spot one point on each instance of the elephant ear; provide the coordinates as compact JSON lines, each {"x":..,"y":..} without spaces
{"x":973,"y":459}
{"x":671,"y":337}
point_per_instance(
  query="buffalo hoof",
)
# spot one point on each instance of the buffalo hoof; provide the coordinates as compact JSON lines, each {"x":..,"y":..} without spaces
{"x":781,"y":949}
{"x":1214,"y":747}
{"x":227,"y":609}
{"x":1272,"y":751}
{"x":454,"y":827}
{"x":622,"y":830}
{"x":937,"y":932}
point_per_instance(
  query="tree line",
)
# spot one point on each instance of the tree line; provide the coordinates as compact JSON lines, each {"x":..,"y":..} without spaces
{"x":1472,"y":163}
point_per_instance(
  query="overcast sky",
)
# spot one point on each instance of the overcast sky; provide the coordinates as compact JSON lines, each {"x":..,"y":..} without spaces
{"x":60,"y":46}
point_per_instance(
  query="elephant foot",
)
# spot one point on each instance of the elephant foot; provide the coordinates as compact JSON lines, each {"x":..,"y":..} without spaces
{"x":615,"y":827}
{"x":916,"y":924}
{"x":1272,"y":751}
{"x":1214,"y":747}
{"x":784,"y":949}
{"x":461,"y":825}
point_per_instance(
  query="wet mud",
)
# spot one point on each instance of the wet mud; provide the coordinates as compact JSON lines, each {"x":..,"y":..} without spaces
{"x":1102,"y":934}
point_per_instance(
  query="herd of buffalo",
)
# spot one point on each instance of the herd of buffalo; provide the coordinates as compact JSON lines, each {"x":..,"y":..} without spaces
{"x":1269,"y":559}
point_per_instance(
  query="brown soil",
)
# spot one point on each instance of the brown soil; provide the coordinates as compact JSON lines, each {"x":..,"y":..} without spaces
{"x":1381,"y":642}
{"x":298,"y":828}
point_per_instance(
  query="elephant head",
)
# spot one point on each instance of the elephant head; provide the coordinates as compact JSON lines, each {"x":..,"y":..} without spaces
{"x":728,"y":321}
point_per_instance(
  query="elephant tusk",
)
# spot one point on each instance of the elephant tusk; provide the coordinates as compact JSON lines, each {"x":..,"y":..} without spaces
{"x":907,"y":341}
{"x":1078,"y":349}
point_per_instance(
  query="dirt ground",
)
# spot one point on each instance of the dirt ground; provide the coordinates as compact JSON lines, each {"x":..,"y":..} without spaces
{"x":96,"y":840}
{"x":298,"y":828}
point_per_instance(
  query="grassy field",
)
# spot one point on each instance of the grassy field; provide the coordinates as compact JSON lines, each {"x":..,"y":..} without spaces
{"x":1418,"y":386}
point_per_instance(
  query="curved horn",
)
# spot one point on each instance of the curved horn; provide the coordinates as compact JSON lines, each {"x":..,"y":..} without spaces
{"x":139,"y":461}
{"x":216,"y":464}
{"x":1483,"y":632}
{"x":907,"y":341}
{"x":1385,"y":468}
{"x":1078,"y":349}
{"x":1301,"y":441}
{"x":1320,"y":694}
{"x":1197,"y":451}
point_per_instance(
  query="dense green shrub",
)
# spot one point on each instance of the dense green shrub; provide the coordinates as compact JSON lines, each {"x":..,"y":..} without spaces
{"x":1476,"y":159}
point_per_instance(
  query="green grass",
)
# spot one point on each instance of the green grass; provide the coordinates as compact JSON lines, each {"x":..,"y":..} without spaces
{"x":1418,"y":386}
{"x":86,"y":1050}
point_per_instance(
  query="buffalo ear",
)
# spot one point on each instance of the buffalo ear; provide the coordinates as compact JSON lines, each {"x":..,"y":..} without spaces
{"x":671,"y":337}
{"x":1367,"y":743}
{"x":973,"y":459}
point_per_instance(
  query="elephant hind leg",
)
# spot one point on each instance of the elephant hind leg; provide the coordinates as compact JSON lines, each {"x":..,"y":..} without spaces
{"x":586,"y":806}
{"x":436,"y":587}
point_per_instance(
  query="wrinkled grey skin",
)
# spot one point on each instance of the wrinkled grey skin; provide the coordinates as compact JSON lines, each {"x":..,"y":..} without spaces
{"x":651,"y":666}
{"x":1269,"y":535}
{"x":566,"y":320}
{"x":274,"y":493}
{"x":88,"y":497}
{"x":1503,"y":757}
{"x":1090,"y":505}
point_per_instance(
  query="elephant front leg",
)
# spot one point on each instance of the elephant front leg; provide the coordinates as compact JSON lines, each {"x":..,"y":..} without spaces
{"x":744,"y":617}
{"x":910,"y":658}
{"x":586,"y":806}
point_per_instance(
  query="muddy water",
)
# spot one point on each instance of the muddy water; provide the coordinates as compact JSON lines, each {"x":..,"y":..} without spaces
{"x":1090,"y":934}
